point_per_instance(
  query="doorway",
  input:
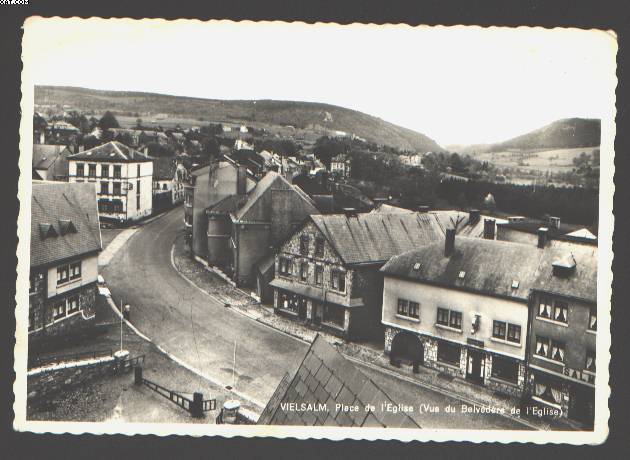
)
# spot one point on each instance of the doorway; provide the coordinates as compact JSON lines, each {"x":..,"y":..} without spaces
{"x":408,"y":348}
{"x":476,"y":366}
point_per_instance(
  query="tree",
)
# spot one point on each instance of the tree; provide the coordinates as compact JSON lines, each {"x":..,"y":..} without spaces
{"x":108,"y":121}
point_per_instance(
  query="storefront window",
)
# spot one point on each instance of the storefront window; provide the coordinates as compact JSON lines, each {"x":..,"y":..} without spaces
{"x":334,"y":314}
{"x":448,"y":353}
{"x":505,"y":369}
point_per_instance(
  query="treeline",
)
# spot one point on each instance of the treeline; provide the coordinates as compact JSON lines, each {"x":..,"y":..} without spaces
{"x":572,"y":204}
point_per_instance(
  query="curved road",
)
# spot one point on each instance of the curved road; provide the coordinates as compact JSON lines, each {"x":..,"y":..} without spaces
{"x":201,"y":332}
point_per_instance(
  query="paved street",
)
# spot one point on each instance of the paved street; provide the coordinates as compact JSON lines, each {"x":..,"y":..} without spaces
{"x":201,"y":332}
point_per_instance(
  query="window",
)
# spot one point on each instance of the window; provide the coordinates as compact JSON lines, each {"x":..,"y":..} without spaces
{"x":456,"y":320}
{"x":319,"y":275}
{"x":116,"y":171}
{"x":62,"y":275}
{"x":75,"y":270}
{"x":442,"y":316}
{"x":304,"y":271}
{"x":338,"y":280}
{"x":334,"y":314}
{"x":117,"y":206}
{"x":560,"y":312}
{"x":319,"y":247}
{"x":104,"y":170}
{"x":590,"y":361}
{"x":31,"y":320}
{"x":290,"y":302}
{"x":544,"y":308}
{"x":80,"y":170}
{"x":548,"y":348}
{"x":408,"y":308}
{"x":33,"y":280}
{"x":505,"y":369}
{"x":73,"y":304}
{"x":59,"y":310}
{"x":284,"y":266}
{"x":116,"y":188}
{"x":514,"y":333}
{"x":104,"y":188}
{"x":448,"y":353}
{"x":547,"y":390}
{"x":92,"y":170}
{"x":138,"y":202}
{"x":592,"y":319}
{"x":500,"y":328}
{"x":304,"y":245}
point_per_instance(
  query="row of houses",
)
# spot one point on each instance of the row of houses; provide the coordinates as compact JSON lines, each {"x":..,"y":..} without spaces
{"x":519,"y":318}
{"x":130,"y":185}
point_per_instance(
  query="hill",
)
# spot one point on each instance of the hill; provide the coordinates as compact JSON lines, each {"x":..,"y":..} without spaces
{"x":308,"y":116}
{"x":568,"y":133}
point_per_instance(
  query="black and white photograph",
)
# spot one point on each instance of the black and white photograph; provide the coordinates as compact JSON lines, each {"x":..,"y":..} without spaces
{"x":315,"y":230}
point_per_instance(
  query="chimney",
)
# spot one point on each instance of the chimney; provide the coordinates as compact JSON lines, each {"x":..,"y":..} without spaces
{"x":241,"y":180}
{"x":449,"y":242}
{"x":488,"y":229}
{"x":473,"y":216}
{"x":542,"y":237}
{"x":554,"y":222}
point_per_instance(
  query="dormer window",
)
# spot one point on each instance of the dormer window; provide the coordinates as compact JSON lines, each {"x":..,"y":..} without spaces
{"x":47,"y":231}
{"x":564,"y":267}
{"x":66,"y":226}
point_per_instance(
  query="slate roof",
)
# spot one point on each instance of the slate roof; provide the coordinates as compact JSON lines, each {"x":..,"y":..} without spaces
{"x":465,"y":228}
{"x":581,"y":283}
{"x":326,"y":377}
{"x":490,"y":267}
{"x":389,"y":209}
{"x":113,"y":151}
{"x":532,"y":226}
{"x":375,"y":238}
{"x":44,"y":155}
{"x":53,"y":204}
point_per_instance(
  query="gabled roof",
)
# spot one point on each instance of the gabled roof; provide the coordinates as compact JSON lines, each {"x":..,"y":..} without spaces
{"x":385,"y":208}
{"x":64,"y":221}
{"x":447,"y":218}
{"x":44,"y":155}
{"x":375,"y":238}
{"x":487,"y":267}
{"x":583,"y":233}
{"x":580,"y":282}
{"x":272,"y":180}
{"x":113,"y":151}
{"x":325,"y":376}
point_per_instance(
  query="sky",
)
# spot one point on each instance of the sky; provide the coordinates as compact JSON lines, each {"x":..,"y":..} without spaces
{"x":456,"y":85}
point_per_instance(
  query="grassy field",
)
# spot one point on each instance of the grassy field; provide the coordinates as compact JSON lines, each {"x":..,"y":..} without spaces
{"x":554,"y":161}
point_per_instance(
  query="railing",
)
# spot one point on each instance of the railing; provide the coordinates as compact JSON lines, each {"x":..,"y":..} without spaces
{"x":39,"y":361}
{"x":196,"y":406}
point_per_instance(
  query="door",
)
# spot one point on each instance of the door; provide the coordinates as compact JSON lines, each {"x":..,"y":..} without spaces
{"x":301,"y":308}
{"x":582,"y":404}
{"x":476,"y":366}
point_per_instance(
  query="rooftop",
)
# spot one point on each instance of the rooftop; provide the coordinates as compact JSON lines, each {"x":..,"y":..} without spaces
{"x":372,"y":238}
{"x":326,"y":377}
{"x":44,"y":155}
{"x":113,"y":151}
{"x":64,"y":221}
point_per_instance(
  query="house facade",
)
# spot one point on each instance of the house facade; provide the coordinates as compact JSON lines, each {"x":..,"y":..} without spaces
{"x":562,"y":350}
{"x":461,"y":307}
{"x":244,"y":228}
{"x":340,"y":164}
{"x":65,"y":243}
{"x":50,"y":162}
{"x":326,"y":272}
{"x":123,"y":179}
{"x":169,"y":177}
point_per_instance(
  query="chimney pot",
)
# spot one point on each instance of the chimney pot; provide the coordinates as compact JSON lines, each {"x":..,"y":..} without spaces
{"x":449,"y":242}
{"x":473,"y":216}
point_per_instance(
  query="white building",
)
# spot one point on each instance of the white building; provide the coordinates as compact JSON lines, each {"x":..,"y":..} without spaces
{"x":123,"y":178}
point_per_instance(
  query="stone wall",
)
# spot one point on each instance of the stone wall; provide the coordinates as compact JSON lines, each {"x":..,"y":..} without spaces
{"x":45,"y":382}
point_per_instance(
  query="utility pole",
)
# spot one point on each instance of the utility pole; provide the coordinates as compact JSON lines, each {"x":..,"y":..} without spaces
{"x":234,"y":365}
{"x":121,"y":324}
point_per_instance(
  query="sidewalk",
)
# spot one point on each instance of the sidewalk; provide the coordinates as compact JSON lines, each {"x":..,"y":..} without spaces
{"x":370,"y":354}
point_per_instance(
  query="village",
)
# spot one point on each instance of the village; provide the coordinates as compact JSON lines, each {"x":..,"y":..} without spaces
{"x":222,"y":261}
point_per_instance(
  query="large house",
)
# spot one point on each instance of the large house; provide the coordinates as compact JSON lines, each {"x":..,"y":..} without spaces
{"x":327,"y":272}
{"x":340,"y":165}
{"x":50,"y":162}
{"x":564,"y":330}
{"x":245,"y":228}
{"x":123,"y":178}
{"x":169,"y":177}
{"x":461,"y":307}
{"x":65,"y":242}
